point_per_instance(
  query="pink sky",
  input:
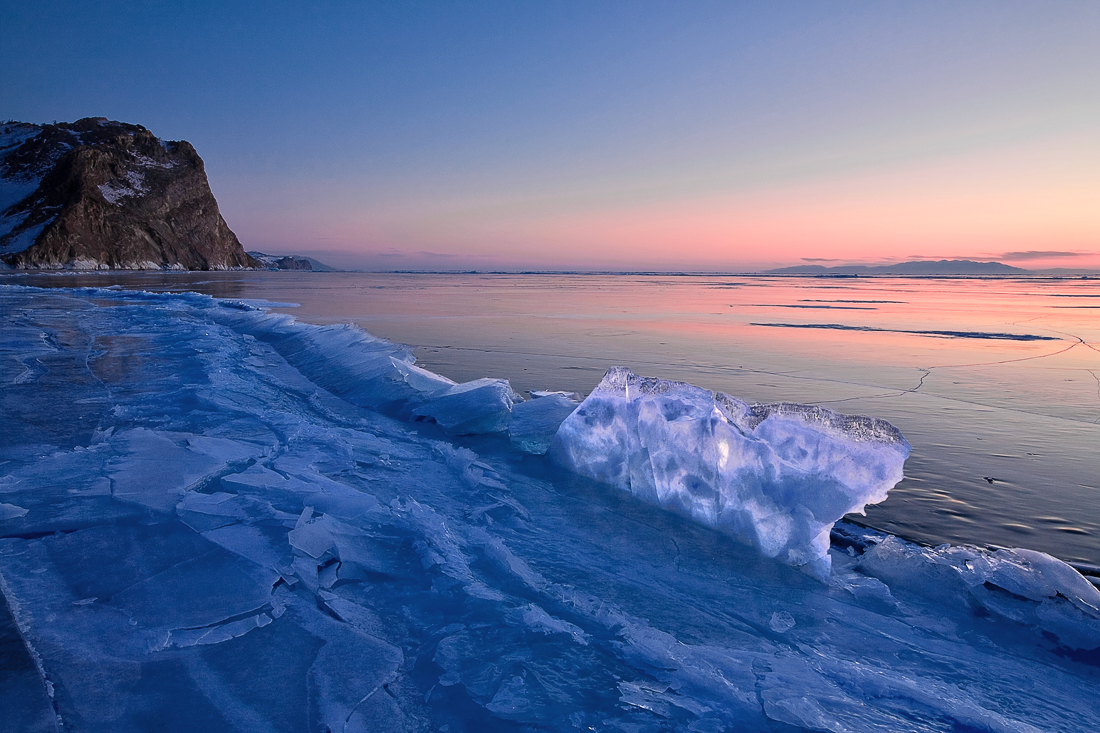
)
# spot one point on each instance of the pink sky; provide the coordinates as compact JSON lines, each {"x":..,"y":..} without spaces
{"x":665,"y":136}
{"x":619,"y":136}
{"x":1033,"y":203}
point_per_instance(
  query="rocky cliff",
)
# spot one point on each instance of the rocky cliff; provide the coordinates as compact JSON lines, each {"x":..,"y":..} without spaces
{"x":277,"y":262}
{"x":96,"y":194}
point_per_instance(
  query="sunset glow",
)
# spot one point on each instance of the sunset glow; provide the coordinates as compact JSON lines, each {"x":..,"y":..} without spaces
{"x":483,"y":366}
{"x":715,"y":137}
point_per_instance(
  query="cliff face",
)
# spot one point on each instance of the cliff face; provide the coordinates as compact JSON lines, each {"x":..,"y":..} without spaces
{"x":96,"y":194}
{"x":275,"y":262}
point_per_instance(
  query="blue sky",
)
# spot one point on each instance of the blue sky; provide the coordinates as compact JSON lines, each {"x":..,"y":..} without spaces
{"x":606,"y":135}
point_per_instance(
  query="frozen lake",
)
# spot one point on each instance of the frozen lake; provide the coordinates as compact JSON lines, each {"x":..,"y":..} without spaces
{"x":987,"y":378}
{"x":215,"y":517}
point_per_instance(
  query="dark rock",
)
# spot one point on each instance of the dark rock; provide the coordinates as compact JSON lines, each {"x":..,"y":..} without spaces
{"x":96,"y":194}
{"x":275,"y":262}
{"x":289,"y":263}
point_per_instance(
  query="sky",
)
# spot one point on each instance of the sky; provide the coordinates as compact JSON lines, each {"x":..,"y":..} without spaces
{"x":700,"y":136}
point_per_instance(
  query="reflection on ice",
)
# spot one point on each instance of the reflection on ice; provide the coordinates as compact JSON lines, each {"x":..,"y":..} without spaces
{"x":252,"y":531}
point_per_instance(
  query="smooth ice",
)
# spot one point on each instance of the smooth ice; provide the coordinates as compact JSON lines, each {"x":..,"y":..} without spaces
{"x":214,"y":517}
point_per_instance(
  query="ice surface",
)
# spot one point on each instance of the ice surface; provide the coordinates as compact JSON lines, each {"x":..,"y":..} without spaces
{"x":152,"y":470}
{"x":297,"y":562}
{"x":1029,"y":587}
{"x":481,"y":406}
{"x":11,"y":511}
{"x":374,"y":373}
{"x":777,"y":476}
{"x":535,"y":423}
{"x":572,"y":396}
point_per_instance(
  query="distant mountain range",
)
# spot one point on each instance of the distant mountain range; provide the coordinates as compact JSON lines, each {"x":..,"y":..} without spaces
{"x":290,"y":262}
{"x":917,"y":267}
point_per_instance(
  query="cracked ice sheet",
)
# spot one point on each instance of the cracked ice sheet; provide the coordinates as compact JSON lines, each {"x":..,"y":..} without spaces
{"x":151,"y":470}
{"x":93,"y":614}
{"x":454,"y":585}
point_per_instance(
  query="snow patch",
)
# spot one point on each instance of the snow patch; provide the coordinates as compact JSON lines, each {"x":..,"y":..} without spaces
{"x":14,"y":190}
{"x":129,"y":186}
{"x":14,"y":135}
{"x":24,"y":239}
{"x":147,"y":162}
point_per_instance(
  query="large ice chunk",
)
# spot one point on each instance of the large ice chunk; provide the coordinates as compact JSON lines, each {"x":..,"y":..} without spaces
{"x":776,"y":475}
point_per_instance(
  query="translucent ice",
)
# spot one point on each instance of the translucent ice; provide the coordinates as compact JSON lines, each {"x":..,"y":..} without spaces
{"x":481,"y":406}
{"x":1025,"y":586}
{"x":535,"y":422}
{"x":153,"y":470}
{"x":777,"y":476}
{"x":377,"y":374}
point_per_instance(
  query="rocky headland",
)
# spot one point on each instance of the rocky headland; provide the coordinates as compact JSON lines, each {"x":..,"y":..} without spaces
{"x":914,"y":268}
{"x":96,"y":194}
{"x":280,"y":262}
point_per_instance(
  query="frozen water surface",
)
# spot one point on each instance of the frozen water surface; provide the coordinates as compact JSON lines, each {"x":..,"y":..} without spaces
{"x":1003,"y":430}
{"x":212,"y":516}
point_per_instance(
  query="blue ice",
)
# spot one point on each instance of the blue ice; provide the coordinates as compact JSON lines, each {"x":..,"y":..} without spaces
{"x":215,"y":516}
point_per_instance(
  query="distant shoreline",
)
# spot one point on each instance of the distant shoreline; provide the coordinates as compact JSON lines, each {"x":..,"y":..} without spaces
{"x":1030,"y":275}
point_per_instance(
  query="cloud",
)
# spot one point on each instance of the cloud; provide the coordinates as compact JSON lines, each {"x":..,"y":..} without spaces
{"x":1037,"y":254}
{"x":820,"y":259}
